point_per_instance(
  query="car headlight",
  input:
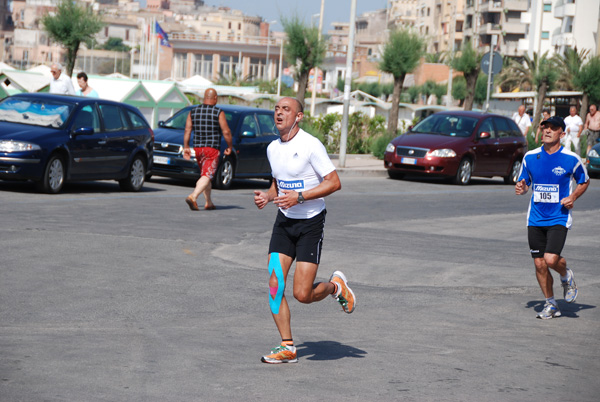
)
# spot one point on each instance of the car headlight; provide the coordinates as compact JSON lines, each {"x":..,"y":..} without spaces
{"x":17,"y":146}
{"x":442,"y":153}
{"x":390,"y":147}
{"x":593,"y":154}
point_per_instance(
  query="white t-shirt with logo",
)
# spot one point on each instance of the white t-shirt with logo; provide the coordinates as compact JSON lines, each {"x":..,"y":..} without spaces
{"x":300,"y":165}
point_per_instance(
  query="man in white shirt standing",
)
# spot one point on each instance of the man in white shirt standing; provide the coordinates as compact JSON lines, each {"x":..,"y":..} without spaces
{"x":573,"y":131}
{"x":61,"y":83}
{"x":522,"y":119}
{"x":302,"y":176}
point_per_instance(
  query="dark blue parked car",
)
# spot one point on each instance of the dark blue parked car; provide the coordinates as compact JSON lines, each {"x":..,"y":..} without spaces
{"x":51,"y":139}
{"x":252,"y":130}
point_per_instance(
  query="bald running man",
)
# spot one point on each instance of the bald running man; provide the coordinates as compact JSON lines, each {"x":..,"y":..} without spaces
{"x":302,"y":176}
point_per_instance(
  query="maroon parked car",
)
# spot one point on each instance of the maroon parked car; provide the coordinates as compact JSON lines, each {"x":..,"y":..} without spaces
{"x":458,"y":145}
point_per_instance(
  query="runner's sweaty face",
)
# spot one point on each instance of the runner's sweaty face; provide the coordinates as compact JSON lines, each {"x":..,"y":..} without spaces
{"x":286,"y":113}
{"x":552,"y":133}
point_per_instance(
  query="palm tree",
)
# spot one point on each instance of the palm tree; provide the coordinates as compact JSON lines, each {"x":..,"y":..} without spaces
{"x":401,"y":55}
{"x":570,"y":64}
{"x":588,"y":80}
{"x":539,"y":73}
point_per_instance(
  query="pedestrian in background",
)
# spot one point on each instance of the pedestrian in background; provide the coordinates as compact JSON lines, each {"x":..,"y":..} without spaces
{"x":522,"y":119}
{"x":208,"y":123}
{"x":574,"y":129}
{"x":60,"y":83}
{"x":86,"y":90}
{"x":545,"y":116}
{"x":592,"y":127}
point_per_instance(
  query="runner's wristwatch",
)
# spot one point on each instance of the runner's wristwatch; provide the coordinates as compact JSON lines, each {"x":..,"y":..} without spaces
{"x":300,"y":198}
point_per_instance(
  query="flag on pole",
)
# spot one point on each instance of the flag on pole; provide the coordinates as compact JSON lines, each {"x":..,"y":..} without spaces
{"x":162,"y":35}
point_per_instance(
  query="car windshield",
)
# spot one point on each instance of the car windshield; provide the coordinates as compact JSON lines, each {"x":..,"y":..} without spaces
{"x":35,"y":112}
{"x":446,"y":124}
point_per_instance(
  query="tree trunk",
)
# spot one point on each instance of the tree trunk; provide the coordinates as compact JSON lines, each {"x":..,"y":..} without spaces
{"x":71,"y":57}
{"x":537,"y":114}
{"x":393,"y":120}
{"x":302,"y":84}
{"x":584,"y":107}
{"x":471,"y":79}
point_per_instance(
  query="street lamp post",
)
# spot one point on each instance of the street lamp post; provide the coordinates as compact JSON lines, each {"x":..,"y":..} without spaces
{"x":316,"y":69}
{"x":268,"y":63}
{"x":347,"y":85}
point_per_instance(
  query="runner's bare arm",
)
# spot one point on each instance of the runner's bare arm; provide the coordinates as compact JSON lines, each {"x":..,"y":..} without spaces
{"x":187,"y":133}
{"x":262,"y":198}
{"x":569,"y":201}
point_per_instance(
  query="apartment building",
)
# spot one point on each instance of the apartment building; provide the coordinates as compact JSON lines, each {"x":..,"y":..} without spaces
{"x":402,"y":13}
{"x":488,"y":21}
{"x":541,"y":26}
{"x":579,"y":25}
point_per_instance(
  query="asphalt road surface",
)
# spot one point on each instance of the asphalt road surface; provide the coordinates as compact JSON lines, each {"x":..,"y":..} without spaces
{"x":112,"y":296}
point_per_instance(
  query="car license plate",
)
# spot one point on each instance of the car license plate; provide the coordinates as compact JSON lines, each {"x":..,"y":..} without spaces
{"x":162,"y":160}
{"x":408,"y":161}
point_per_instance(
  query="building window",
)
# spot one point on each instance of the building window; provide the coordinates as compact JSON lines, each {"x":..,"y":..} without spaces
{"x":547,"y":8}
{"x":203,"y":65}
{"x":106,"y":31}
{"x":545,"y":34}
{"x":239,"y":25}
{"x":229,"y":25}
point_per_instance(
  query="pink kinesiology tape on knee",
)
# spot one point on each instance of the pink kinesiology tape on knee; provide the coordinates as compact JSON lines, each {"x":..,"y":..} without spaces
{"x":272,"y":291}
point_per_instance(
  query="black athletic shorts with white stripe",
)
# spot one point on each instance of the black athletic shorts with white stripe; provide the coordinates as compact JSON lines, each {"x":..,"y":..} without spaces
{"x":301,"y":239}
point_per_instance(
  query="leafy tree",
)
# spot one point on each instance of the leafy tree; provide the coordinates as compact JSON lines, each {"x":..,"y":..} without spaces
{"x":481,"y":89}
{"x":539,"y":73}
{"x":468,"y":62}
{"x":115,"y":44}
{"x":72,"y":24}
{"x":304,"y":50}
{"x":401,"y":55}
{"x":413,"y":93}
{"x":439,"y":91}
{"x":459,"y":89}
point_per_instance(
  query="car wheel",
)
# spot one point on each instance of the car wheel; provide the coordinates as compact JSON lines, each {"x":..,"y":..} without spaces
{"x":395,"y":175}
{"x":224,"y":174}
{"x":463,"y":174}
{"x":514,"y":173}
{"x":54,"y":176}
{"x":135,"y":178}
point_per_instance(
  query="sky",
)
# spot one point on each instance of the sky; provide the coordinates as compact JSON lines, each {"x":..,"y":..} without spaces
{"x":273,"y":10}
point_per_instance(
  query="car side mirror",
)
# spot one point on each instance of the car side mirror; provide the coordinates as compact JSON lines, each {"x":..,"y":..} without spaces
{"x":484,"y":134}
{"x":83,"y":131}
{"x":161,"y":123}
{"x":249,"y":134}
{"x":410,"y":128}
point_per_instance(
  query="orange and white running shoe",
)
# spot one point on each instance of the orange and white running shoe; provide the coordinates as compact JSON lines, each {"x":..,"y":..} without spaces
{"x":281,"y":354}
{"x":344,"y":295}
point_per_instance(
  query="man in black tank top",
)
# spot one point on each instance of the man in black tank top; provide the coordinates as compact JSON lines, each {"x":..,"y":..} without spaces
{"x":208,"y":123}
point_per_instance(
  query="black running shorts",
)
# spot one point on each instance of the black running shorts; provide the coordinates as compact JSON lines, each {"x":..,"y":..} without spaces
{"x":301,"y":239}
{"x":546,"y":239}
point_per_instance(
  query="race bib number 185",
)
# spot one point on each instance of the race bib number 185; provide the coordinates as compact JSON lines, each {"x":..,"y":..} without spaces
{"x":546,"y":193}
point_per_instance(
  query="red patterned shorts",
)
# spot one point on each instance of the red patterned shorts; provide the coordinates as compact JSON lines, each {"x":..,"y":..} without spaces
{"x":208,"y":160}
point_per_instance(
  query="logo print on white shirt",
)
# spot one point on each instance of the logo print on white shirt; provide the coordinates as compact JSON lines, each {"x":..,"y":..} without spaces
{"x":559,"y":171}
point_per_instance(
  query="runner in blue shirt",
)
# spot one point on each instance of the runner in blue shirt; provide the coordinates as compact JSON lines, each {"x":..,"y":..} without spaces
{"x":551,"y":170}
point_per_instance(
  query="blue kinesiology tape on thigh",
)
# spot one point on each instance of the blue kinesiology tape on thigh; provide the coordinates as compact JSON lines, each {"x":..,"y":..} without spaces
{"x":275,"y":265}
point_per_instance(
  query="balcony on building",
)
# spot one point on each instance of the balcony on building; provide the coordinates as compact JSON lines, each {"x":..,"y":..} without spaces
{"x":516,"y":5}
{"x":489,"y":29}
{"x":565,"y":8}
{"x":490,"y":6}
{"x":514,"y":28}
